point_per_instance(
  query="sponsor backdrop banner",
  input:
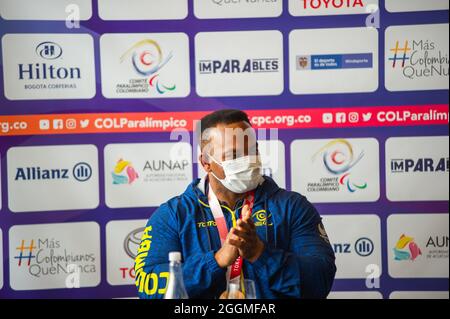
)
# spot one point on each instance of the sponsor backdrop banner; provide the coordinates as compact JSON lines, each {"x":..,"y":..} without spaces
{"x":98,"y":102}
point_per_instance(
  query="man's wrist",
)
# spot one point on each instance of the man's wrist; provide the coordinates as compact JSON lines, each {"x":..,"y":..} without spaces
{"x":259,"y":251}
{"x":219,"y":260}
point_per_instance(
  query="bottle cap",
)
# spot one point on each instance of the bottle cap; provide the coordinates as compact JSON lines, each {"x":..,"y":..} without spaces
{"x":175,"y":256}
{"x":234,"y":287}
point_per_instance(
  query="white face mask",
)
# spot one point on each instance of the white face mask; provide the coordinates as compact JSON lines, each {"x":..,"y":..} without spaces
{"x":242,"y":175}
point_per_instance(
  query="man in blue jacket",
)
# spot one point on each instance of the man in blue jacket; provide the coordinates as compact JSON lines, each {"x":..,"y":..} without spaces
{"x":235,"y":224}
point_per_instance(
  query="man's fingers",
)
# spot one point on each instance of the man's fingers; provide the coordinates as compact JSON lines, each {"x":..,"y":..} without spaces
{"x":236,"y":243}
{"x":241,"y":234}
{"x":247,"y":226}
{"x":243,"y":226}
{"x":251,"y":223}
{"x":246,"y":214}
{"x":232,"y":235}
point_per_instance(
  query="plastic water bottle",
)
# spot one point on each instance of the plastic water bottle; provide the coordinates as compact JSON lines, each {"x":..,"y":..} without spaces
{"x":175,"y":287}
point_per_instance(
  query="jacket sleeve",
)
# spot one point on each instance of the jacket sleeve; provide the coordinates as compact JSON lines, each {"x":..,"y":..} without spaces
{"x":160,"y":237}
{"x":307,"y":270}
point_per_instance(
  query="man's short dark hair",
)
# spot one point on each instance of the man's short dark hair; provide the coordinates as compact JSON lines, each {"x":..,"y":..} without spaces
{"x":227,"y":116}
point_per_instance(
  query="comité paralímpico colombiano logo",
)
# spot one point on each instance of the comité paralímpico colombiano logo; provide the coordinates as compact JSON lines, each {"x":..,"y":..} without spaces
{"x":339,"y":158}
{"x":406,"y":249}
{"x":124,"y":173}
{"x":148,"y":59}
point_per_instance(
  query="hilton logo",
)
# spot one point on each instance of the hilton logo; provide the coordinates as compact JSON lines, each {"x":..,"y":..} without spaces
{"x":48,"y":51}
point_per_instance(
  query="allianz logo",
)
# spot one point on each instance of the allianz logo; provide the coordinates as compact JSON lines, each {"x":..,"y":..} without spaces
{"x":364,"y":247}
{"x":81,"y":172}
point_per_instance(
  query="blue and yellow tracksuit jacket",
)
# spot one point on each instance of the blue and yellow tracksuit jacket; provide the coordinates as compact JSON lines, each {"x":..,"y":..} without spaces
{"x":298,"y":261}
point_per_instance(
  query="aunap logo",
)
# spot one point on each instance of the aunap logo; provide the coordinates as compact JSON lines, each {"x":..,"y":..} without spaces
{"x":163,"y":169}
{"x":406,"y":249}
{"x":124,"y":173}
{"x":420,"y":245}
